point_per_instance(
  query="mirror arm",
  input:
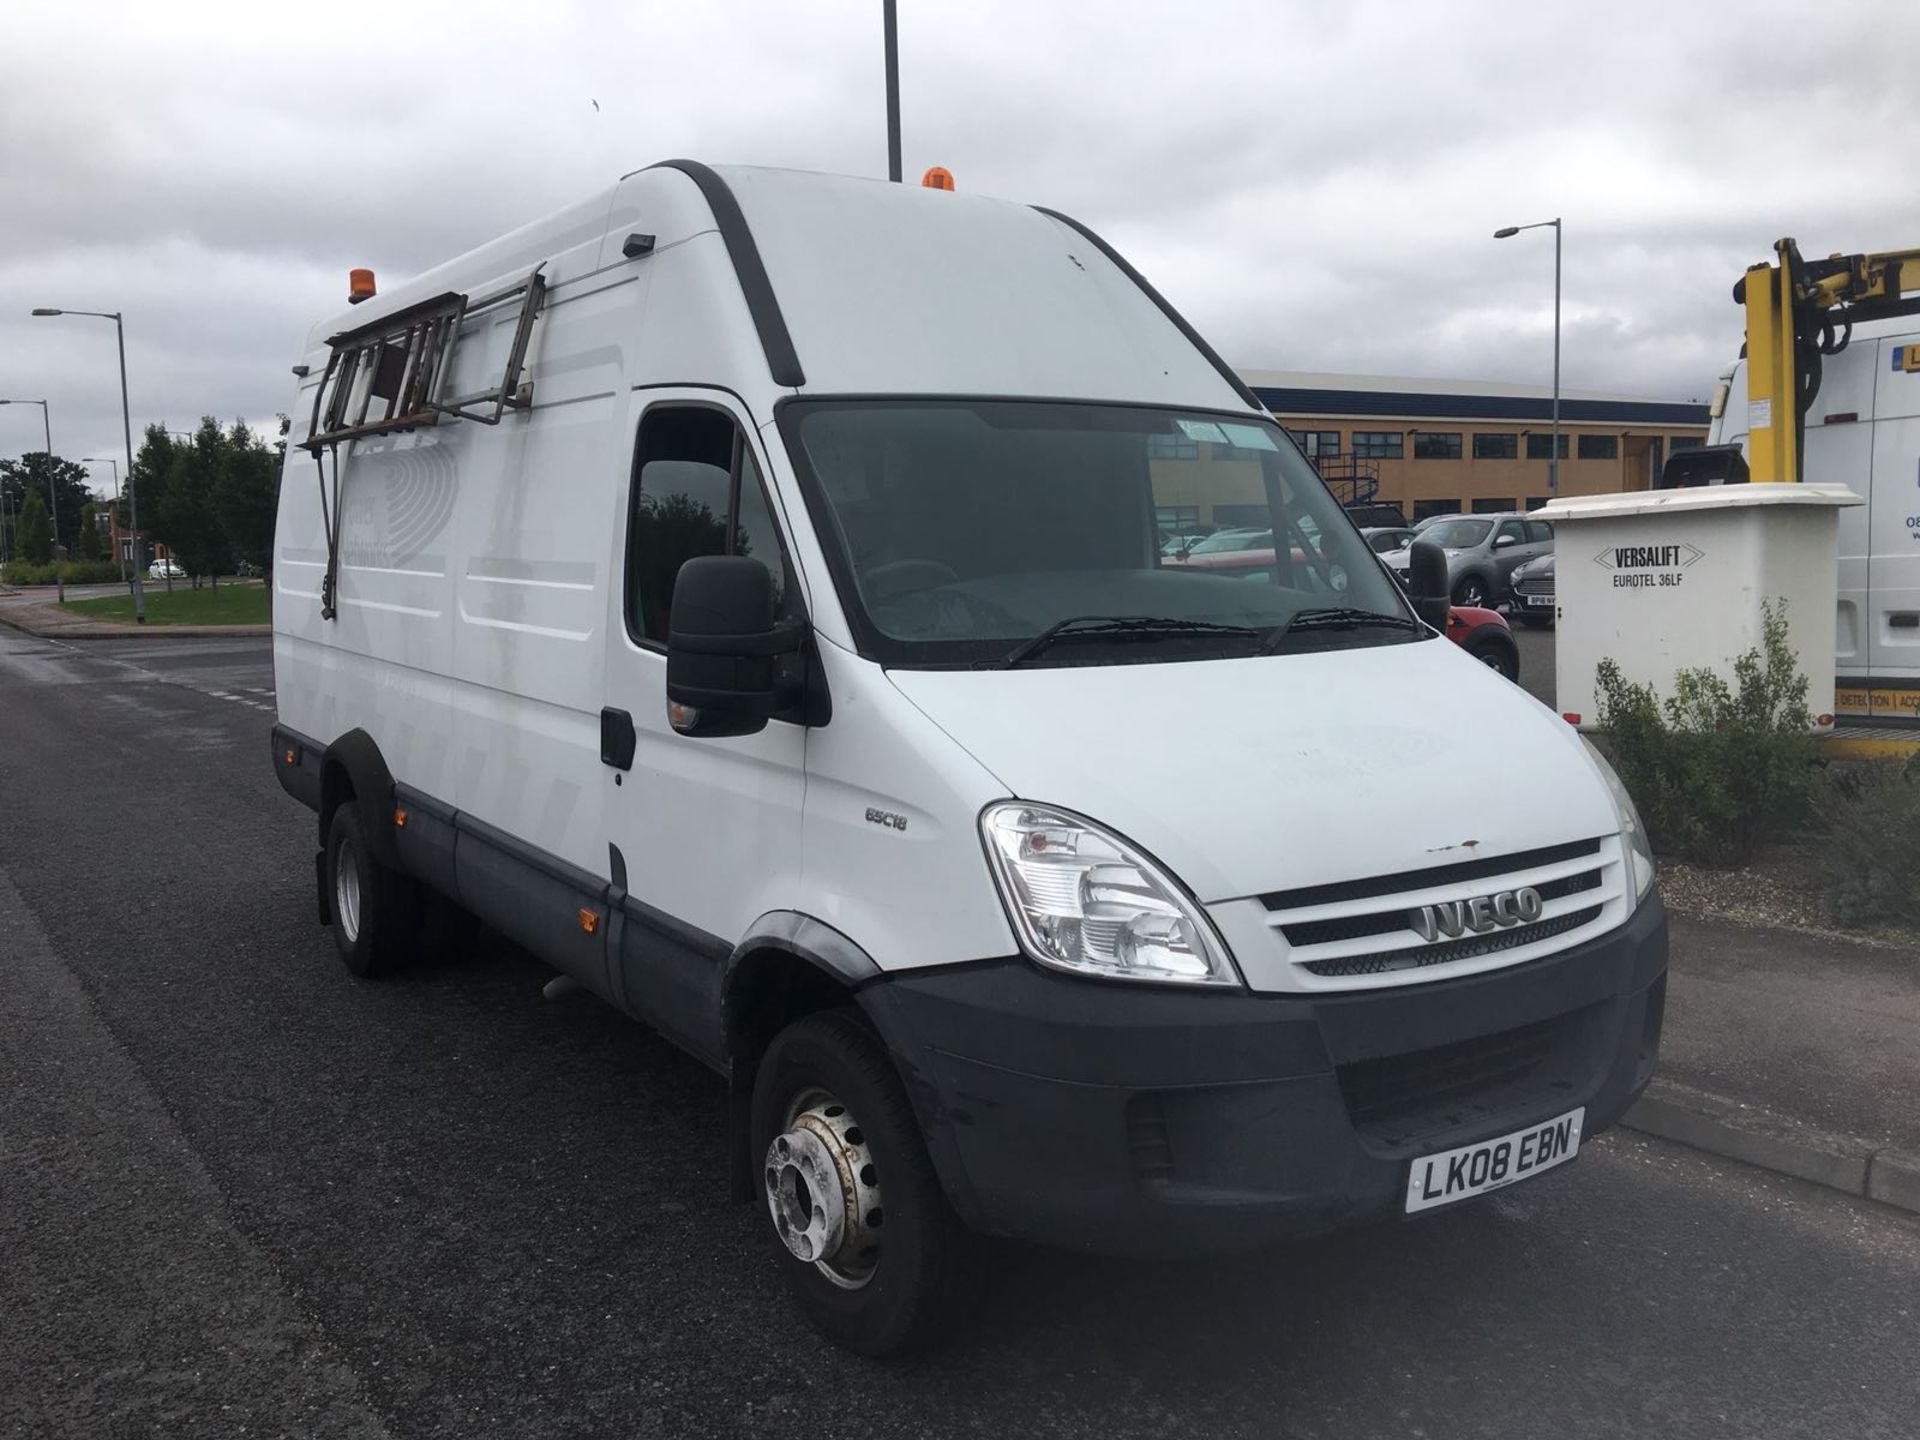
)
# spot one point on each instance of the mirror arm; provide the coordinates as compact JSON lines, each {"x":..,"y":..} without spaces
{"x":783,"y":639}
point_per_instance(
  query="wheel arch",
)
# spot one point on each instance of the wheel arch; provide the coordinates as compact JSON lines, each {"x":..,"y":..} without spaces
{"x":356,"y":770}
{"x":788,"y":964}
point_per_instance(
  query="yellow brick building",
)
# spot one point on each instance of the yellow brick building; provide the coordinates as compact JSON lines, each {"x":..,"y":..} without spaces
{"x":1436,"y":446}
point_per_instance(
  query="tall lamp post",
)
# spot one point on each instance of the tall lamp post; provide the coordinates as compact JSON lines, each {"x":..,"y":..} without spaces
{"x":53,"y":497}
{"x":891,"y":27}
{"x":1553,"y":460}
{"x":126,"y":422}
{"x":118,"y":496}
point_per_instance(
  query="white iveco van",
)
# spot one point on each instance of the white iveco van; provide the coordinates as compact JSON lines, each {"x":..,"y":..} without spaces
{"x":745,"y":590}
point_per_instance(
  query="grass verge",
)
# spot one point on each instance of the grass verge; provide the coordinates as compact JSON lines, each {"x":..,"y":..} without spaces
{"x":234,"y":603}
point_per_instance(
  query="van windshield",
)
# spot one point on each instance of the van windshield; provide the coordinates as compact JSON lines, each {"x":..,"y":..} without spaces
{"x":960,"y":530}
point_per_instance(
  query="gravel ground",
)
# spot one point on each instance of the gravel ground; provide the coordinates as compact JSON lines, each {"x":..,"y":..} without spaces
{"x":1780,"y":888}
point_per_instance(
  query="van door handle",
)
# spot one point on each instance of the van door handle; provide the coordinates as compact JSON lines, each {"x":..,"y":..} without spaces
{"x":616,"y":739}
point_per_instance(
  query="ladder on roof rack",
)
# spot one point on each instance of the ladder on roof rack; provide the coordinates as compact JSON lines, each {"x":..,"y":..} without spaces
{"x":403,"y":360}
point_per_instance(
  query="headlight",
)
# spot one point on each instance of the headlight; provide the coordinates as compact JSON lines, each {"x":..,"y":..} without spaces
{"x":1633,"y":835}
{"x":1083,"y":900}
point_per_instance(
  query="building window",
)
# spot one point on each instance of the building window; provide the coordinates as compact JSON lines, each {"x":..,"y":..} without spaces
{"x":1378,"y":444}
{"x":1317,"y":444}
{"x":1686,"y":442}
{"x":1423,"y":508}
{"x":1493,"y":507}
{"x":1436,"y":444}
{"x":1539,"y":447}
{"x":1177,"y":519}
{"x":1496,"y":447}
{"x":1235,"y":452}
{"x":1172,"y":447}
{"x":1599,"y":447}
{"x":1534,"y":502}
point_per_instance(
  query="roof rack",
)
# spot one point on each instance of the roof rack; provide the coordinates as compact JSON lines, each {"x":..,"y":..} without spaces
{"x":404,"y":359}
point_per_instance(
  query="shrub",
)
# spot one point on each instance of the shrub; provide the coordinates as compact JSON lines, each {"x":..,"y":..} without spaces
{"x":79,"y":572}
{"x":1871,"y":852}
{"x":1716,"y":769}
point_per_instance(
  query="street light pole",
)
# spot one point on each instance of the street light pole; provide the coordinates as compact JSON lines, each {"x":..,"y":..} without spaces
{"x":1553,"y":458}
{"x":53,"y":497}
{"x":126,"y":423}
{"x":890,"y":23}
{"x":119,"y":498}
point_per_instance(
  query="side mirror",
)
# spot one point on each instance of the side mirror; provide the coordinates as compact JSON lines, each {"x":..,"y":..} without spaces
{"x":1427,"y":583}
{"x":724,"y":646}
{"x":1501,"y":542}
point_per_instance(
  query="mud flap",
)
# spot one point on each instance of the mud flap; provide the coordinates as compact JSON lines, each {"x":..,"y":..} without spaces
{"x":320,"y":887}
{"x":742,"y":1165}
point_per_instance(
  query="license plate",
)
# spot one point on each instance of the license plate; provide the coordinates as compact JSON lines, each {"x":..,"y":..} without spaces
{"x":1475,"y":1169}
{"x":1542,"y":601}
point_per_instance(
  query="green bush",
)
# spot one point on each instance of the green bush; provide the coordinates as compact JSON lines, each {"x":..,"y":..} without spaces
{"x":1716,"y":769}
{"x":1871,"y":851}
{"x":79,"y":572}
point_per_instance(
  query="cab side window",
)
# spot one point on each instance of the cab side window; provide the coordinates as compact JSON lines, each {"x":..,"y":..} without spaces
{"x":696,"y":491}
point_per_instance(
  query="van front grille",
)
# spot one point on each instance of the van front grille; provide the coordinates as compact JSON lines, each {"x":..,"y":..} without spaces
{"x":1381,"y":962}
{"x":1386,"y":922}
{"x":1423,"y":879}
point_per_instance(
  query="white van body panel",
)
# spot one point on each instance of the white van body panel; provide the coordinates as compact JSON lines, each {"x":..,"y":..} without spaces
{"x":955,"y":294}
{"x":1877,"y":455}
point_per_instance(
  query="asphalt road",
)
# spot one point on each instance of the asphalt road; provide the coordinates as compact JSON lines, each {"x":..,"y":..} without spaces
{"x":241,"y":1194}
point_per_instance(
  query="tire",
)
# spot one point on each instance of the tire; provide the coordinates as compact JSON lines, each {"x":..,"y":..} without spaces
{"x":1471,"y":590}
{"x":900,"y":1288}
{"x":1503,"y":660}
{"x":373,"y":911}
{"x":1536,"y":622}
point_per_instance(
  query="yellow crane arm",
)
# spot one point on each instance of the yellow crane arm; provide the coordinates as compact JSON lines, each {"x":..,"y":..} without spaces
{"x":1797,"y":312}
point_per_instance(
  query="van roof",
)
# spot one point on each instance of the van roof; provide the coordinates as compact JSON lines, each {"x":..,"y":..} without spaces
{"x":882,"y":288}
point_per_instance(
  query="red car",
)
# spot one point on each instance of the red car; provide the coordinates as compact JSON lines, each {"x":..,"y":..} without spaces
{"x":1485,"y":635}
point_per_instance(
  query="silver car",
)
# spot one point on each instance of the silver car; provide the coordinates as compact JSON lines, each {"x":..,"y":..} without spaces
{"x":1483,"y":551}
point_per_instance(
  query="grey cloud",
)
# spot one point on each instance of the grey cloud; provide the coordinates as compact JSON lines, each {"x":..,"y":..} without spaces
{"x":1315,"y":183}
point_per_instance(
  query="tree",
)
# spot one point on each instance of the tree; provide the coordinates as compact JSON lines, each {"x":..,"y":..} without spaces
{"x":29,"y":475}
{"x":190,"y":520}
{"x":36,"y":531}
{"x":88,"y":545}
{"x":147,"y":483}
{"x":247,"y":491}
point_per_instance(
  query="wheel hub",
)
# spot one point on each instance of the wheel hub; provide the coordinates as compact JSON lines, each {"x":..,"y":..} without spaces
{"x":823,"y":1192}
{"x":346,"y":890}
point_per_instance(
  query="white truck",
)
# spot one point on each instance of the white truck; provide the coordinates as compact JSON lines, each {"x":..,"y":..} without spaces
{"x":744,"y":591}
{"x":1862,"y":431}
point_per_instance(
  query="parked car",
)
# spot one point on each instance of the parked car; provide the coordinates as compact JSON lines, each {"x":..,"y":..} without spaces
{"x":1180,"y":543}
{"x":1482,"y":551}
{"x":1533,"y":597}
{"x":1485,"y":635}
{"x":1375,"y":513}
{"x":1385,"y":539}
{"x":165,"y":569}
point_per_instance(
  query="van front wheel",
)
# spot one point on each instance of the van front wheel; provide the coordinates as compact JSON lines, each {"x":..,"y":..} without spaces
{"x":858,"y":1219}
{"x":373,"y":911}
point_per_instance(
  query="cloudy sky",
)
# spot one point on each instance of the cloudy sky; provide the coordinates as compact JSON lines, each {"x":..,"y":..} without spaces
{"x":1314,"y":182}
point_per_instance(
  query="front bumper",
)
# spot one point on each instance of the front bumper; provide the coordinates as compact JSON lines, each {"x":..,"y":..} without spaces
{"x":1143,"y":1120}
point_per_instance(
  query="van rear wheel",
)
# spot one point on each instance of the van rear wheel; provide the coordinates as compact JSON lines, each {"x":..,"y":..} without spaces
{"x":373,"y":911}
{"x":858,"y":1219}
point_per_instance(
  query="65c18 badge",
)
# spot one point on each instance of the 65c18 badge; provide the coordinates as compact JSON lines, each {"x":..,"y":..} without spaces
{"x":1637,"y":567}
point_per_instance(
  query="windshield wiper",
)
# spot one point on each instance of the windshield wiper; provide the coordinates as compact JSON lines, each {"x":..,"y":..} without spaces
{"x":1336,"y":617}
{"x":1115,"y":625}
